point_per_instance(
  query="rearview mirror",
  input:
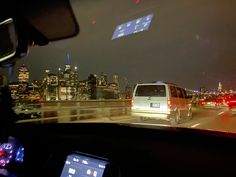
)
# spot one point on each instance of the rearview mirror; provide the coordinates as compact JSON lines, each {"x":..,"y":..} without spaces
{"x":8,"y":39}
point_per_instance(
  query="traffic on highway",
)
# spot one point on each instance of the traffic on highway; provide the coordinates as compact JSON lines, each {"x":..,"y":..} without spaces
{"x":168,"y":82}
{"x":220,"y":117}
{"x":117,"y":88}
{"x":147,"y":106}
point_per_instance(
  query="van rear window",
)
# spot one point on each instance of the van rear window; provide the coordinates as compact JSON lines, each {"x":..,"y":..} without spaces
{"x":151,"y":90}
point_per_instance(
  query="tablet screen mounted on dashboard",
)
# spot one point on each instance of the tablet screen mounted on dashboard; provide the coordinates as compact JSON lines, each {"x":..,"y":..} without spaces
{"x":78,"y":165}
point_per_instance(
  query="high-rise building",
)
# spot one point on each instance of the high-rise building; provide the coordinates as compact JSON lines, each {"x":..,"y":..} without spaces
{"x":14,"y":90}
{"x":115,"y":79}
{"x":68,"y":81}
{"x":83,"y":90}
{"x":23,"y":74}
{"x":92,"y":83}
{"x":220,"y":87}
{"x":37,"y":88}
{"x":23,"y":91}
{"x":75,"y":77}
{"x":68,"y":63}
{"x":23,"y":84}
{"x":60,"y":77}
{"x":50,"y":83}
{"x":103,"y":79}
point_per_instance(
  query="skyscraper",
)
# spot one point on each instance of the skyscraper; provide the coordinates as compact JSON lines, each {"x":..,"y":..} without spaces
{"x":23,"y":85}
{"x":92,"y":83}
{"x":50,"y":83}
{"x":103,"y":79}
{"x":68,"y":62}
{"x":115,"y":79}
{"x":23,"y":74}
{"x":68,"y":81}
{"x":220,"y":87}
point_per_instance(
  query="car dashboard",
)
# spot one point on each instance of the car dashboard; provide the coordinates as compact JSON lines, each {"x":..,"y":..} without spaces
{"x":101,"y":150}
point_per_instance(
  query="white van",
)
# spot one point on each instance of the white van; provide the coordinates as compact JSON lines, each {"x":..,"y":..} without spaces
{"x":161,"y":100}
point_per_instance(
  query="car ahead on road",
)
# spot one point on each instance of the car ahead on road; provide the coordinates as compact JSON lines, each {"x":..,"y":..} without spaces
{"x":211,"y":103}
{"x":223,"y":101}
{"x":232,"y":104}
{"x":160,"y":100}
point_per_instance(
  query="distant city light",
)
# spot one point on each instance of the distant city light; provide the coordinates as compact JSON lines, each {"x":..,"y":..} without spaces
{"x":93,"y":22}
{"x":137,"y":1}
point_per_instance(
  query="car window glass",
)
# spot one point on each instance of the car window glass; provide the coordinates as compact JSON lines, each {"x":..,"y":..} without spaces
{"x":151,"y":90}
{"x":184,"y":93}
{"x":179,"y":92}
{"x":173,"y":91}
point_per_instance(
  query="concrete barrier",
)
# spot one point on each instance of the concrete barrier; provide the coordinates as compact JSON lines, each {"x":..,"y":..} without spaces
{"x":69,"y":111}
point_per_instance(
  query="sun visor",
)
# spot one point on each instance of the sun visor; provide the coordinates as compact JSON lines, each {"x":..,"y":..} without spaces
{"x":52,"y":18}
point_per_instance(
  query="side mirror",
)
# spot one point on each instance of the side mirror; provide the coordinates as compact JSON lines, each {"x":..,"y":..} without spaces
{"x":8,"y":39}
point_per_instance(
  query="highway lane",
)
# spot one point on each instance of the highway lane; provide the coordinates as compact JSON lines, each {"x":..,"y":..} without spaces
{"x":220,"y":119}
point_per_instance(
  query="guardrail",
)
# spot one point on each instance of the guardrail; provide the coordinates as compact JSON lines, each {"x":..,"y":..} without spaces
{"x":69,"y":111}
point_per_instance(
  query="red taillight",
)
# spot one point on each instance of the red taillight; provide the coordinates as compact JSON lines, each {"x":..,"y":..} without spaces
{"x":132,"y":103}
{"x":2,"y":153}
{"x":203,"y":102}
{"x":232,"y":101}
{"x":169,"y":104}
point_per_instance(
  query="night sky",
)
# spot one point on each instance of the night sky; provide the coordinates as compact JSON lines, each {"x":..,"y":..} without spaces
{"x":189,"y":42}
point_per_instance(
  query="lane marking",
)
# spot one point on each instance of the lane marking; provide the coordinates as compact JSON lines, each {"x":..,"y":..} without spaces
{"x":221,"y":113}
{"x":195,"y":125}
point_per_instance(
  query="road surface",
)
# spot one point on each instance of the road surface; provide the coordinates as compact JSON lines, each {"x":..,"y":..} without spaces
{"x":220,"y":119}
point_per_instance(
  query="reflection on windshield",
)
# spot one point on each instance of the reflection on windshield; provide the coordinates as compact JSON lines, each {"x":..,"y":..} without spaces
{"x":97,"y":76}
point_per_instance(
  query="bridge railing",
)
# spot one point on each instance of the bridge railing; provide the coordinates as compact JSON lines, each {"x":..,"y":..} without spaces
{"x":69,"y":111}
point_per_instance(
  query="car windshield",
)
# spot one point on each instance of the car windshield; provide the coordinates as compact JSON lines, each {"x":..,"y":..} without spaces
{"x":183,"y":52}
{"x":151,"y":90}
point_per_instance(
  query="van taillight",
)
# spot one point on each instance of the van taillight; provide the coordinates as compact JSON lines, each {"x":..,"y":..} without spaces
{"x":132,"y":102}
{"x":169,"y":104}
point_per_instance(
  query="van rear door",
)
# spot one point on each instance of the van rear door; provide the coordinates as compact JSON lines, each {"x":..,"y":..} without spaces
{"x":150,"y":98}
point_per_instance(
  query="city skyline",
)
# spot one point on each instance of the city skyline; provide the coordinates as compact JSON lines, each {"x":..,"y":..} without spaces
{"x":23,"y":70}
{"x":65,"y":84}
{"x":194,"y":47}
{"x":123,"y":80}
